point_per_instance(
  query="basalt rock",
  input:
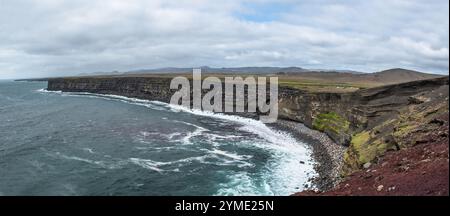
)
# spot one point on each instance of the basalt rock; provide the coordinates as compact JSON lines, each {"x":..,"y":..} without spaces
{"x":369,"y":121}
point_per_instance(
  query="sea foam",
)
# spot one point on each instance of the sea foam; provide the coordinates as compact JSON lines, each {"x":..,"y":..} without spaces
{"x":283,"y":174}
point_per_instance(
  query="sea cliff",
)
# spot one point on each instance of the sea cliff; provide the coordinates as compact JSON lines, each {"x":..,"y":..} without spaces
{"x":370,"y":122}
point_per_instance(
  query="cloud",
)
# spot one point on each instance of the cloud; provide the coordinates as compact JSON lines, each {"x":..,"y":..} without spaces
{"x":54,"y":38}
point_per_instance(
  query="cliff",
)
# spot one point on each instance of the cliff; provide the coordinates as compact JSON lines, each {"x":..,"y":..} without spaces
{"x":370,"y":122}
{"x":136,"y":87}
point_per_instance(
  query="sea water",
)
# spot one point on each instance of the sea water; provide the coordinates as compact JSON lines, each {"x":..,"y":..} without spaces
{"x":55,"y":143}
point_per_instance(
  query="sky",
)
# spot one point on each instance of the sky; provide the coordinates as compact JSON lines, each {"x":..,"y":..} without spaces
{"x":67,"y":37}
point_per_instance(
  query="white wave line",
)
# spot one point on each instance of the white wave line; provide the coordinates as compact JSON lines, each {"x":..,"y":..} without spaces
{"x":283,"y":176}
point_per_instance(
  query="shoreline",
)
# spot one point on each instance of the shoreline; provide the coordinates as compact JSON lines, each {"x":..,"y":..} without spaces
{"x":373,"y":116}
{"x":327,"y":154}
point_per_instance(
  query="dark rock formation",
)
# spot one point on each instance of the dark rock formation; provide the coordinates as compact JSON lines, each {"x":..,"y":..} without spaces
{"x":370,"y":121}
{"x":135,"y":87}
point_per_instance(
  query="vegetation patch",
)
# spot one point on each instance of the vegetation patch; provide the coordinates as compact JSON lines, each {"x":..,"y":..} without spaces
{"x":331,"y":122}
{"x":365,"y":147}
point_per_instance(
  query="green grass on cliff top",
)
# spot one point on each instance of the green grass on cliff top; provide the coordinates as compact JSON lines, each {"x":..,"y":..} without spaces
{"x":312,"y":84}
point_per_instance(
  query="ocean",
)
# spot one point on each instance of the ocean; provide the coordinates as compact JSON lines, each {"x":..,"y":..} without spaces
{"x":54,"y":143}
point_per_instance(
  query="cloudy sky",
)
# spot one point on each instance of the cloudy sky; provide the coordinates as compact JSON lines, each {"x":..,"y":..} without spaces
{"x":62,"y":37}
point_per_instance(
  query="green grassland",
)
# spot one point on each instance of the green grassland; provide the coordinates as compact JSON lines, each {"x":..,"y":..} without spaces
{"x":321,"y":82}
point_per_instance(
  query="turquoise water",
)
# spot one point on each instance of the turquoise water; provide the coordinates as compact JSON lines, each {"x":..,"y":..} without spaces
{"x":54,"y":143}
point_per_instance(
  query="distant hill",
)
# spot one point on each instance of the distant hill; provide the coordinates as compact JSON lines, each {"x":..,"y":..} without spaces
{"x":397,"y":75}
{"x":241,"y":70}
{"x":391,"y":76}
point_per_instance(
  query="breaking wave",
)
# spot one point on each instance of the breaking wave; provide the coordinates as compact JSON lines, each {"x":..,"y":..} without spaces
{"x":283,"y":173}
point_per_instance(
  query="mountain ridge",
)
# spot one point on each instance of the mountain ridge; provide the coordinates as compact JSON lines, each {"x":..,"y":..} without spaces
{"x":258,"y":70}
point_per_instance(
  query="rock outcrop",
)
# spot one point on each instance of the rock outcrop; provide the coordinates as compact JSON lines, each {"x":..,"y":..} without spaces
{"x":370,"y":121}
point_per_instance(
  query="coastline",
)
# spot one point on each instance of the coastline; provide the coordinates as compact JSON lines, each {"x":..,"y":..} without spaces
{"x":327,"y":154}
{"x":380,"y":118}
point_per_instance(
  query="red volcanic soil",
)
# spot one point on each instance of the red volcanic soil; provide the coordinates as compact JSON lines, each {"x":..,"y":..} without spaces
{"x":422,"y":170}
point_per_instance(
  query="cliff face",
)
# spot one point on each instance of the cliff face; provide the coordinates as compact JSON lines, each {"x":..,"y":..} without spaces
{"x":343,"y":114}
{"x":143,"y":88}
{"x":371,"y":121}
{"x":327,"y":112}
{"x":399,"y":117}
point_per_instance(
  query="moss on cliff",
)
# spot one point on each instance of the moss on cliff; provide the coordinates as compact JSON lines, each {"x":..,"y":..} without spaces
{"x":415,"y":123}
{"x":359,"y":143}
{"x":331,"y":122}
{"x":365,"y":147}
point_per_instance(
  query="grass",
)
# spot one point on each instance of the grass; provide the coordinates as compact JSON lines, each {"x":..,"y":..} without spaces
{"x":359,"y":144}
{"x":322,"y":86}
{"x":331,"y":122}
{"x":366,"y":147}
{"x":302,"y":82}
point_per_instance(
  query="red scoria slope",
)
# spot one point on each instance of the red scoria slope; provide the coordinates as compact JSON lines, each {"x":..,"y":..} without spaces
{"x":421,"y":170}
